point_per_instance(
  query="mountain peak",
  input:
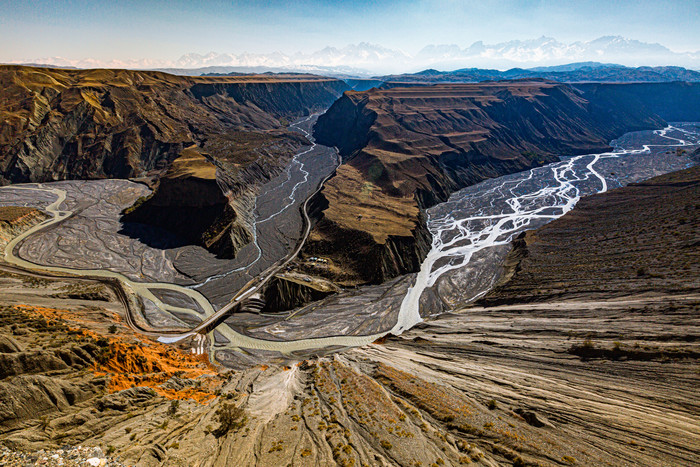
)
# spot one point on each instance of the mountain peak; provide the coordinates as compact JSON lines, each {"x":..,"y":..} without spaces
{"x":370,"y":58}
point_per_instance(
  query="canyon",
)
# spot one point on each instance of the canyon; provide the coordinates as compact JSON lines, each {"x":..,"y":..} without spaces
{"x":406,"y":149}
{"x":411,"y":275}
{"x":92,"y":124}
{"x":121,"y":124}
{"x":565,"y":379}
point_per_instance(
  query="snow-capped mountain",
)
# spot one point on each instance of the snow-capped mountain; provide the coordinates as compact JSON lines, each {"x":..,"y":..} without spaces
{"x":365,"y":58}
{"x":547,"y":51}
{"x":363,"y":55}
{"x":62,"y":62}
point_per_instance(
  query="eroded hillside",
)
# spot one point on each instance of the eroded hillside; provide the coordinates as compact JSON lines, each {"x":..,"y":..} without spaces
{"x":603,"y":377}
{"x":640,"y":239}
{"x":408,"y":148}
{"x":229,"y":132}
{"x":83,"y":124}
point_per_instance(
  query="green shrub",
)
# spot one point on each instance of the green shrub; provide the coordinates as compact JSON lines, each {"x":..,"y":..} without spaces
{"x":231,"y":417}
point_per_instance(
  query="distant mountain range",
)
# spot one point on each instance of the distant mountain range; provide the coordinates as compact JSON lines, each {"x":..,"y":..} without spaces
{"x":549,"y":51}
{"x":573,"y":72}
{"x":365,"y":59}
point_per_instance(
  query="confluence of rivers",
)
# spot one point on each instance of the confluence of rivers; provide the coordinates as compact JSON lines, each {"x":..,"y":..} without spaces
{"x":455,"y":240}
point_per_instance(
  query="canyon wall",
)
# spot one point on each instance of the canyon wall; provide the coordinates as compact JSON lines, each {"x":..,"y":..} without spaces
{"x":81,"y":124}
{"x":406,"y":149}
{"x":228,"y":132}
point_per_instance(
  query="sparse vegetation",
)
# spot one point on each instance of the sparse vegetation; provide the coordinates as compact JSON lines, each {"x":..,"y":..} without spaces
{"x":174,"y":405}
{"x":231,"y":418}
{"x":277,"y":446}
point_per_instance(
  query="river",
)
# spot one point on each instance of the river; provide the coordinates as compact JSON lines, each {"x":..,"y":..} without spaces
{"x":492,"y":213}
{"x":472,"y":223}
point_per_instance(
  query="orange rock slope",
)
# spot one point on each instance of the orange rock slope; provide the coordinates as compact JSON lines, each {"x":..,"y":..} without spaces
{"x":129,"y":360}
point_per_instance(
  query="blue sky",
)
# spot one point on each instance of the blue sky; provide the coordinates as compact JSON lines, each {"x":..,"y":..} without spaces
{"x":167,"y":29}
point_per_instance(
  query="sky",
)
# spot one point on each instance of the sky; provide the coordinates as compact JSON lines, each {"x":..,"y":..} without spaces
{"x":165,"y":30}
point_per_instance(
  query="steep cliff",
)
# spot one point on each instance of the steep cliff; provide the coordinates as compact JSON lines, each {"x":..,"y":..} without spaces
{"x":82,"y":124}
{"x":206,"y":202}
{"x":290,"y":290}
{"x":406,"y":149}
{"x":225,"y":132}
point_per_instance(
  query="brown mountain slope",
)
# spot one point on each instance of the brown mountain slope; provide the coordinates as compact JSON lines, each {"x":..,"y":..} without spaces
{"x":478,"y":387}
{"x":85,"y":124}
{"x":640,"y":239}
{"x":408,"y":148}
{"x":589,"y":380}
{"x":64,"y":124}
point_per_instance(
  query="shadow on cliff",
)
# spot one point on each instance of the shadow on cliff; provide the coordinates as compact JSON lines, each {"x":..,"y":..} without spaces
{"x":153,"y":236}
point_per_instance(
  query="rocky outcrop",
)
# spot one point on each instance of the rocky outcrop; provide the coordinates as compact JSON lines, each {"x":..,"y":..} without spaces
{"x":122,"y":400}
{"x":186,"y":208}
{"x":28,"y":363}
{"x":15,"y":219}
{"x":9,"y":345}
{"x":188,"y":203}
{"x":363,"y":258}
{"x":285,"y":97}
{"x":208,"y":202}
{"x":28,"y":397}
{"x":82,"y":124}
{"x":283,"y":293}
{"x":406,"y":149}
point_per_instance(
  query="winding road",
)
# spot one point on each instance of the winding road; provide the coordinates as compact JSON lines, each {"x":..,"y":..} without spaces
{"x":500,"y":209}
{"x":291,"y":199}
{"x":145,"y":289}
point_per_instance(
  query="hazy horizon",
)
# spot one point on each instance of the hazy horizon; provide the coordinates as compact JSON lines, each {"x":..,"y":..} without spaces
{"x":274,"y":33}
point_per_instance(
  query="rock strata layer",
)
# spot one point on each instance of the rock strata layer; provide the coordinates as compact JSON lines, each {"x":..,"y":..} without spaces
{"x":85,"y":124}
{"x":406,"y":149}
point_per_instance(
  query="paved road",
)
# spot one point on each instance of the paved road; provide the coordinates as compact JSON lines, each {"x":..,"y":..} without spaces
{"x":144,"y":289}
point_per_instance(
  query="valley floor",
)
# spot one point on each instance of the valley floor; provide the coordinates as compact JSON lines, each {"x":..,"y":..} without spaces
{"x":555,"y":366}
